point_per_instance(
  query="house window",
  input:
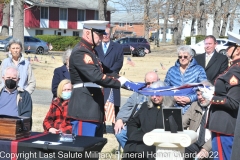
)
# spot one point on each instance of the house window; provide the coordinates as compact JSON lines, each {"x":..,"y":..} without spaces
{"x":121,"y":24}
{"x":39,"y":32}
{"x":44,"y":12}
{"x":75,"y":33}
{"x":130,"y":24}
{"x":81,"y":15}
{"x":161,"y":30}
{"x":96,"y":15}
{"x":63,"y":14}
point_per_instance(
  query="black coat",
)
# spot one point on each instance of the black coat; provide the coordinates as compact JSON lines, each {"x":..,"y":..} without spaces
{"x":86,"y":103}
{"x":60,"y":74}
{"x":223,"y":111}
{"x":217,"y":65}
{"x":145,"y":120}
{"x":112,"y":61}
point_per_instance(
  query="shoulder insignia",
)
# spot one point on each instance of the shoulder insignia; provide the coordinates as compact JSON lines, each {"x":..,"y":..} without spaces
{"x":87,"y":59}
{"x":233,"y":81}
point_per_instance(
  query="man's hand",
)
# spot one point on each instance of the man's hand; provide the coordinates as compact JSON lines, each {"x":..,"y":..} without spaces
{"x":182,"y":100}
{"x":53,"y":130}
{"x":202,"y":154}
{"x":118,"y":126}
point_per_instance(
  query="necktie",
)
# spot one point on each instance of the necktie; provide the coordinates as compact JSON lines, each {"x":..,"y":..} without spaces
{"x":207,"y":60}
{"x":201,"y":136}
{"x":105,"y":48}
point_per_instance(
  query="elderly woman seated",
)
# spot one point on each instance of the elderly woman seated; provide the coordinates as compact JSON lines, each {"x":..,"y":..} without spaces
{"x":186,"y":70}
{"x":147,"y":118}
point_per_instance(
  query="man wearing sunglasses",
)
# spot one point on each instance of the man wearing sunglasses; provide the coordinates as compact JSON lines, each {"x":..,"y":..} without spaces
{"x":213,"y":62}
{"x":129,"y":109}
{"x":86,"y":105}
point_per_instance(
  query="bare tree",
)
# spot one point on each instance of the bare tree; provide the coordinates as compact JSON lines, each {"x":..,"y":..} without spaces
{"x":18,"y":20}
{"x":5,"y":20}
{"x":165,"y":23}
{"x":225,"y":17}
{"x":102,"y":9}
{"x":217,"y":18}
{"x":146,"y":18}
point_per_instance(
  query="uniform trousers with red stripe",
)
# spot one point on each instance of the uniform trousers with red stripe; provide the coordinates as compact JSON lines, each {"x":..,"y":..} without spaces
{"x":85,"y":128}
{"x":221,"y":146}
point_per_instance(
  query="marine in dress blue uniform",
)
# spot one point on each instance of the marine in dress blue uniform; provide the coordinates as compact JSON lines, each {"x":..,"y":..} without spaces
{"x":86,"y":105}
{"x":224,"y":107}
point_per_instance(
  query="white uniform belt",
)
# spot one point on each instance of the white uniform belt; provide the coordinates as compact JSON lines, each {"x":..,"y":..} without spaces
{"x":87,"y":84}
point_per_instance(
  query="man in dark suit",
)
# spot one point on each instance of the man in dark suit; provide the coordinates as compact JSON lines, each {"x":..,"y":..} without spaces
{"x":213,"y":62}
{"x":61,"y":73}
{"x":111,"y":56}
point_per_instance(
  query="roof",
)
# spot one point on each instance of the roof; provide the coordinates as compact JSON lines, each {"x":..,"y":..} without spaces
{"x":124,"y":17}
{"x":79,"y":4}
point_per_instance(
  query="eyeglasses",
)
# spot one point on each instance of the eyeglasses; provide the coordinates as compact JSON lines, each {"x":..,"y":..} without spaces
{"x":149,"y":83}
{"x":180,"y":57}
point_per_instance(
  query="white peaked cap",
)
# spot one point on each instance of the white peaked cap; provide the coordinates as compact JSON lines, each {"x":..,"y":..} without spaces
{"x":95,"y":25}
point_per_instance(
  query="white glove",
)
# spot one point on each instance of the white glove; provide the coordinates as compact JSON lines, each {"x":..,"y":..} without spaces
{"x":207,"y":93}
{"x":122,"y":80}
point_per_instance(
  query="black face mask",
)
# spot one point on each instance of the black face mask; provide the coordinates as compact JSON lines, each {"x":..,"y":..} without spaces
{"x":10,"y":84}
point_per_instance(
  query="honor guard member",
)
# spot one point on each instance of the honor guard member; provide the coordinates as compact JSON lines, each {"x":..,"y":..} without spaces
{"x":86,"y":105}
{"x":224,"y":106}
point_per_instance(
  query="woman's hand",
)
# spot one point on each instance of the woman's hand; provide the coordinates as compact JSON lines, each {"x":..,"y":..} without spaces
{"x":53,"y":130}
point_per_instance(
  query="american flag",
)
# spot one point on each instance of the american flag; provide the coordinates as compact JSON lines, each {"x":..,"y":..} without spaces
{"x":146,"y":50}
{"x":130,"y":62}
{"x":109,"y":108}
{"x":131,"y":48}
{"x":35,"y":58}
{"x":50,"y":47}
{"x":163,"y":68}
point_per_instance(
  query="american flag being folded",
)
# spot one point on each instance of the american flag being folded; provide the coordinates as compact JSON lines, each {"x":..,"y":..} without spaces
{"x":109,"y":108}
{"x":163,"y":91}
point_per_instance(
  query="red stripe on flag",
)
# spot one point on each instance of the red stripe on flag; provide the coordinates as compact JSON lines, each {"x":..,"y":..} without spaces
{"x":109,"y":109}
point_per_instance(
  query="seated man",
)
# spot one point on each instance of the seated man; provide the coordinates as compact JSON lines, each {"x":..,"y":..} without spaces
{"x":148,"y":117}
{"x":195,"y":119}
{"x":14,"y":101}
{"x":126,"y":110}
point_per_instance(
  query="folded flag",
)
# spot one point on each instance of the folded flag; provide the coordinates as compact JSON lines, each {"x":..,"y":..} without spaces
{"x":134,"y":86}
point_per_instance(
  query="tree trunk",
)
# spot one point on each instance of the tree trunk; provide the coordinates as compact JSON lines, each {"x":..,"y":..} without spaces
{"x":18,"y":21}
{"x":146,"y":18}
{"x":217,"y":18}
{"x":5,"y":20}
{"x":232,"y":16}
{"x":102,"y":9}
{"x":192,"y":26}
{"x":165,"y":23}
{"x":225,"y":17}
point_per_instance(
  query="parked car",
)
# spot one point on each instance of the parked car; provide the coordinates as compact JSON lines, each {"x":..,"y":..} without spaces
{"x":134,"y":46}
{"x":122,"y":34}
{"x":220,"y":48}
{"x":31,"y":45}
